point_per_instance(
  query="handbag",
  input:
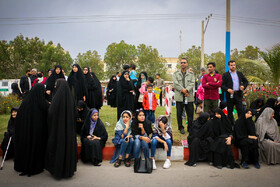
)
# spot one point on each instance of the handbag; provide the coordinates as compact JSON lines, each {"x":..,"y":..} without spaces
{"x":143,"y":166}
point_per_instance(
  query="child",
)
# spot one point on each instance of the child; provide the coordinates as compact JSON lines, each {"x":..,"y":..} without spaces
{"x":199,"y":108}
{"x":133,"y":74}
{"x":162,"y":134}
{"x":150,"y":103}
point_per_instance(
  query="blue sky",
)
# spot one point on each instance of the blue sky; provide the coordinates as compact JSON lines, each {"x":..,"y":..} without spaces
{"x":254,"y":22}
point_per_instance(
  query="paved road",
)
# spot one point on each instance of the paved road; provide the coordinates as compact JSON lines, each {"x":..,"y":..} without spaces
{"x":177,"y":175}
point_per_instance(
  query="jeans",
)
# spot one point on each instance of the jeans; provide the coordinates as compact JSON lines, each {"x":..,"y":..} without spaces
{"x":140,"y":144}
{"x":189,"y":110}
{"x":126,"y":147}
{"x":150,"y":115}
{"x":154,"y":146}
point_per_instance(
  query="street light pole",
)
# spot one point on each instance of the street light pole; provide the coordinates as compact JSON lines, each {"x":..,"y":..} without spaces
{"x":227,"y":35}
{"x":203,"y":30}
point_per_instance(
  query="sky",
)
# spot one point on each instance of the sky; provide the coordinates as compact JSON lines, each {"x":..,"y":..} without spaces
{"x":85,"y":25}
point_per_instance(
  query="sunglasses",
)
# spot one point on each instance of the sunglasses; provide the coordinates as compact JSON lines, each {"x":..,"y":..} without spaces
{"x":183,"y":62}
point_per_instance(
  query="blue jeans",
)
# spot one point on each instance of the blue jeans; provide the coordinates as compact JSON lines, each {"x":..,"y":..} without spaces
{"x":140,"y":144}
{"x":126,"y":147}
{"x":150,"y":115}
{"x":154,"y":146}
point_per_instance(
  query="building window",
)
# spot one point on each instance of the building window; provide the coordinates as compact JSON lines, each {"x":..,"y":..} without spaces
{"x":169,"y":65}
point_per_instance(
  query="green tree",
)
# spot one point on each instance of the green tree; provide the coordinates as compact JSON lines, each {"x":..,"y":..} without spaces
{"x":234,"y":54}
{"x":254,"y":70}
{"x":22,"y":53}
{"x":219,"y":59}
{"x":93,"y":60}
{"x":117,"y":55}
{"x":250,"y":52}
{"x":272,"y":58}
{"x":150,"y":61}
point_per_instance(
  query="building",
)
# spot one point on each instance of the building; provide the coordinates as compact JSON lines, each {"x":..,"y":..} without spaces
{"x":171,"y":64}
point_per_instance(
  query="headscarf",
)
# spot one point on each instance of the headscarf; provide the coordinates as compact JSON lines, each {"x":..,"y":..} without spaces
{"x":52,"y":79}
{"x":255,"y":104}
{"x":269,"y":103}
{"x":135,"y":125}
{"x":244,"y":126}
{"x":221,"y":126}
{"x":157,"y":129}
{"x":92,"y":123}
{"x":76,"y":80}
{"x":266,"y":125}
{"x":120,"y":124}
{"x":11,"y":123}
{"x":112,"y":83}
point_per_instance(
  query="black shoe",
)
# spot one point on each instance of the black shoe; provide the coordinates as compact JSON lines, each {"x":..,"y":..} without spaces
{"x":219,"y":167}
{"x":182,"y":131}
{"x":118,"y":163}
{"x":22,"y":174}
{"x":190,"y":164}
{"x":257,"y":165}
{"x":127,"y":162}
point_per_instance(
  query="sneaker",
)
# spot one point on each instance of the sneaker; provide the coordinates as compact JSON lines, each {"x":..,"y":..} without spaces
{"x":182,"y":131}
{"x":245,"y":165}
{"x":167,"y":164}
{"x":190,"y":164}
{"x":219,"y":167}
{"x":257,"y":165}
{"x":154,"y":164}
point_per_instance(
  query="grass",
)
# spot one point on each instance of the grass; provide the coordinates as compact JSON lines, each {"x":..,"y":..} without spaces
{"x":108,"y":114}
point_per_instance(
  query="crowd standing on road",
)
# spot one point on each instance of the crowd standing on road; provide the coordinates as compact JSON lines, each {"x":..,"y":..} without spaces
{"x":54,"y":110}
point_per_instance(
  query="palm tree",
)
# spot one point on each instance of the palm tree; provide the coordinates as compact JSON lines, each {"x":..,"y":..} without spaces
{"x":272,"y":58}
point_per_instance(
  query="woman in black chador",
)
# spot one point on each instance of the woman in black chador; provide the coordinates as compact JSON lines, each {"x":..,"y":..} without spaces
{"x":77,"y":84}
{"x":247,"y":140}
{"x":98,"y":94}
{"x":93,"y":138}
{"x":90,"y":87}
{"x":221,"y":147}
{"x":200,"y":139}
{"x":61,"y":153}
{"x":112,"y":91}
{"x":31,"y":132}
{"x":125,"y":94}
{"x":82,"y":111}
{"x":10,"y":134}
{"x":56,"y":74}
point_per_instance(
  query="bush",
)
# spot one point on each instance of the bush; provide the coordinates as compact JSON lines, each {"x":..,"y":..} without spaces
{"x":8,"y":102}
{"x":264,"y":92}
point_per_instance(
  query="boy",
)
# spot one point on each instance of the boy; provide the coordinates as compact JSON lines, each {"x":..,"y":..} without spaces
{"x":150,"y":103}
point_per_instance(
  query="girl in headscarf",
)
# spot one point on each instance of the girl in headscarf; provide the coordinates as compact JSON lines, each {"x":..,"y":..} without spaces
{"x":141,"y":129}
{"x":98,"y":93}
{"x":140,"y":89}
{"x":246,"y":139}
{"x":125,"y":94}
{"x":81,"y":115}
{"x":221,"y":147}
{"x":90,"y":87}
{"x":10,"y":133}
{"x":77,"y":84}
{"x":257,"y":105}
{"x":200,"y":139}
{"x":269,"y":139}
{"x":61,"y":153}
{"x":112,"y":91}
{"x":162,"y":134}
{"x":31,"y":132}
{"x":123,"y":140}
{"x":50,"y":83}
{"x":93,"y":138}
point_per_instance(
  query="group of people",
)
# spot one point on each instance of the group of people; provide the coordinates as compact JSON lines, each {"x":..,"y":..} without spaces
{"x":44,"y":127}
{"x":212,"y":133}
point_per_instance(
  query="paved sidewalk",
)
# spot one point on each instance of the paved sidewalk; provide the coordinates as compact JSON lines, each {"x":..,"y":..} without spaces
{"x":177,"y":175}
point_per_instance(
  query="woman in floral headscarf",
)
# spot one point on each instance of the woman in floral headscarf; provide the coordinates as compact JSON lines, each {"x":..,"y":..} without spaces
{"x":123,"y":140}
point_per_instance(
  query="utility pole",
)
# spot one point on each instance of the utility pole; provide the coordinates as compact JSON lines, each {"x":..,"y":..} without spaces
{"x":227,"y":35}
{"x":203,"y":30}
{"x":180,"y":36}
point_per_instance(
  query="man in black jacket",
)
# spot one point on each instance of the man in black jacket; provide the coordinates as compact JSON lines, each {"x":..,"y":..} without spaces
{"x":25,"y":83}
{"x":234,"y":83}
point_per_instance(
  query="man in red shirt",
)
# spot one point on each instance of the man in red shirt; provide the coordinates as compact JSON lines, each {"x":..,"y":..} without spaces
{"x":211,"y":83}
